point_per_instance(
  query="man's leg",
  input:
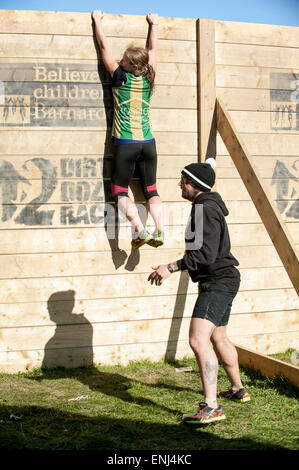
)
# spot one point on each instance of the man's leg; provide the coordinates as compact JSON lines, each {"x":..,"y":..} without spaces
{"x":227,"y":355}
{"x":200,"y":334}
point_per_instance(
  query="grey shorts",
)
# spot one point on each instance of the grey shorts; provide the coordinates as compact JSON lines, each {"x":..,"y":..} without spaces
{"x":215,"y":301}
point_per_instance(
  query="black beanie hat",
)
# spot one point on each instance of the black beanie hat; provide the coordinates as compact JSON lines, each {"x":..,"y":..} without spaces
{"x":202,"y":175}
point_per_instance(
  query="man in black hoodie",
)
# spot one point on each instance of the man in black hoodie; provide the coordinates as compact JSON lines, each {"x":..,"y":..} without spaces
{"x":210,"y":263}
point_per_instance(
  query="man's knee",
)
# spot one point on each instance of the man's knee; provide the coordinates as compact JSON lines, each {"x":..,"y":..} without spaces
{"x":198,"y":343}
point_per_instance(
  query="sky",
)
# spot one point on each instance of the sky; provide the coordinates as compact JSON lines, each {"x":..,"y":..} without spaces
{"x":279,"y":12}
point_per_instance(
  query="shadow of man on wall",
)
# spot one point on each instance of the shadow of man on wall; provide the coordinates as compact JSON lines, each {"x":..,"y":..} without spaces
{"x":69,"y":354}
{"x":71,"y":345}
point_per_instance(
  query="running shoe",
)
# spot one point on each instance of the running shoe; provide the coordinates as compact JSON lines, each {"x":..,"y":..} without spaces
{"x":205,"y":415}
{"x":240,"y":396}
{"x":157,"y":239}
{"x":141,"y":238}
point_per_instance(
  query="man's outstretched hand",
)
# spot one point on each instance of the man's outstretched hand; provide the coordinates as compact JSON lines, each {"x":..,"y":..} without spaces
{"x":159,"y":275}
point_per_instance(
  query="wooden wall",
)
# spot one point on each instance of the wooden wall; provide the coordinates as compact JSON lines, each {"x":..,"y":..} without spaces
{"x":257,"y":71}
{"x":72,"y":295}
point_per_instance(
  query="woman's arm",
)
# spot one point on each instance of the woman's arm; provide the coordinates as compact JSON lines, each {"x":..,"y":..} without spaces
{"x":152,"y":38}
{"x":107,"y":57}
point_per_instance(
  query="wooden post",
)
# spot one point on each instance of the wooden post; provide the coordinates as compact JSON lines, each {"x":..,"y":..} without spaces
{"x":266,"y":208}
{"x":206,"y":89}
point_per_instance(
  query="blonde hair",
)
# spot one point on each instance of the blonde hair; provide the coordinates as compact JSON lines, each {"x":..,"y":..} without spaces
{"x":138,"y":57}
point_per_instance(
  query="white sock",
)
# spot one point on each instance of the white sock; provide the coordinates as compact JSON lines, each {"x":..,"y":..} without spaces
{"x":211,"y":402}
{"x":235,"y":387}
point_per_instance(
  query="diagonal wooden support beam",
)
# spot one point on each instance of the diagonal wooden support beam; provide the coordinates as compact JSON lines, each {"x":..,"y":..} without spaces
{"x":259,"y":193}
{"x":268,"y":366}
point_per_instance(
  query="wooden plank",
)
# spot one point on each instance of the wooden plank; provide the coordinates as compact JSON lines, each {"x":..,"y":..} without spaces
{"x":113,"y":354}
{"x":24,"y":314}
{"x":104,"y":287}
{"x":257,"y":77}
{"x":91,"y":166}
{"x":164,"y":97}
{"x":256,"y":234}
{"x":265,"y":164}
{"x":268,"y":366}
{"x":254,"y":33}
{"x":267,"y":344}
{"x":178,"y":97}
{"x":266,"y":144}
{"x":85,"y":334}
{"x":206,"y":89}
{"x":24,"y":70}
{"x":270,"y":300}
{"x":247,"y":99}
{"x":15,"y":361}
{"x":78,"y":239}
{"x":71,"y":94}
{"x":91,"y":190}
{"x":257,"y":56}
{"x":242,"y":193}
{"x":99,"y":214}
{"x":95,"y":310}
{"x":93,"y":239}
{"x":163,"y":120}
{"x":71,"y":23}
{"x":87,"y":263}
{"x":266,"y":208}
{"x":262,"y":122}
{"x":169,"y":166}
{"x":40,"y":265}
{"x":87,"y":215}
{"x":74,"y":142}
{"x":83,"y":47}
{"x":259,"y":323}
{"x":126,"y":285}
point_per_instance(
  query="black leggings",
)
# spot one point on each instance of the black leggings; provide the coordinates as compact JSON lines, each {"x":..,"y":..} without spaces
{"x":127,"y":157}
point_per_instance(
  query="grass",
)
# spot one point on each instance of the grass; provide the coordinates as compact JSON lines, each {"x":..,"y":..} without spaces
{"x":291,"y":356}
{"x":139,"y":407}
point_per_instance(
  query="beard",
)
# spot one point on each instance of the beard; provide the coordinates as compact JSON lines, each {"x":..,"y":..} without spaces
{"x":186,"y":194}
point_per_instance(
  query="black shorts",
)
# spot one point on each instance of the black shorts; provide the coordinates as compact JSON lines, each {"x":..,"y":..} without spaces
{"x":141,"y":156}
{"x":215,"y":301}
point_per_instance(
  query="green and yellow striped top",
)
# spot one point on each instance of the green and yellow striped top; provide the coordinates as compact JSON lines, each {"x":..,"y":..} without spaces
{"x":131,"y":95}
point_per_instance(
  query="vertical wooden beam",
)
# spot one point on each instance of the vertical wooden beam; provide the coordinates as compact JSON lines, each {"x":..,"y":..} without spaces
{"x":259,"y":193}
{"x":206,"y":76}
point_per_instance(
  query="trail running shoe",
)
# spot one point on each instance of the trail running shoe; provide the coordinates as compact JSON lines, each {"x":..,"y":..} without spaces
{"x":205,"y":415}
{"x":141,"y":238}
{"x":240,"y":396}
{"x":157,"y":240}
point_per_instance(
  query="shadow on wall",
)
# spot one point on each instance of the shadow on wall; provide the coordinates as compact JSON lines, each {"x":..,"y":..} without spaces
{"x":177,"y":317}
{"x":71,"y":345}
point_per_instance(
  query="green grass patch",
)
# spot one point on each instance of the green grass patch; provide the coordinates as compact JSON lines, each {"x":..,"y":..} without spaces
{"x":139,"y":407}
{"x":291,"y":356}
